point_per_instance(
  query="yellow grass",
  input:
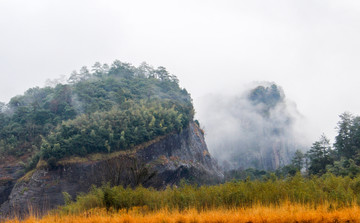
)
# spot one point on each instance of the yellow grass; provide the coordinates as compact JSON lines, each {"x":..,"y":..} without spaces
{"x":284,"y":213}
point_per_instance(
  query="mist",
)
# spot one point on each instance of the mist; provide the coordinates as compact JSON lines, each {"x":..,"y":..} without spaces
{"x":256,"y":128}
{"x":310,"y":48}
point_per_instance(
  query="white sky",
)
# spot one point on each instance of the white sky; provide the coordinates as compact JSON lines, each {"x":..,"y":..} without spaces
{"x":309,"y":47}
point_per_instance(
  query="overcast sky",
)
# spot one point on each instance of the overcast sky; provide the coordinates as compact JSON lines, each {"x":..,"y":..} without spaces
{"x":309,"y":47}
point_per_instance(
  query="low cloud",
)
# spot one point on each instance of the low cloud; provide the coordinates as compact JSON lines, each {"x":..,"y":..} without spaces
{"x":256,"y":128}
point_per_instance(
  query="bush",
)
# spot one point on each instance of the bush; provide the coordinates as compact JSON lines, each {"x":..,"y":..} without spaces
{"x":328,"y":189}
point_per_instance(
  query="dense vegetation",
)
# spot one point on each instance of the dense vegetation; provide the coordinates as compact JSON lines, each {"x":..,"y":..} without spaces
{"x":106,"y":109}
{"x":326,"y":198}
{"x":328,"y":189}
{"x":342,"y":158}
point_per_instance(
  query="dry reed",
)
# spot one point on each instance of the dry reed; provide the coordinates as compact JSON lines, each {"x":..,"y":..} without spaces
{"x":286,"y":212}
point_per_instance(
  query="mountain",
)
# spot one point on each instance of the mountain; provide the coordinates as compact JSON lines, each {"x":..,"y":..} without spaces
{"x":119,"y":124}
{"x":254,"y":129}
{"x":158,"y":163}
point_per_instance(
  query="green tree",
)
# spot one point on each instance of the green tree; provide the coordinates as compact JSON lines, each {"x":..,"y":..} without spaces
{"x":319,"y":156}
{"x":298,"y":160}
{"x":343,"y":139}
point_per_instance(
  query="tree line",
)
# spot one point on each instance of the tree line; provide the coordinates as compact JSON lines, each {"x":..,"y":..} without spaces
{"x":341,"y":158}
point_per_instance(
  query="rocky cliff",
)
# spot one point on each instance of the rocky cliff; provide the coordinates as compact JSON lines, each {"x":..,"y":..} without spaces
{"x":161,"y":162}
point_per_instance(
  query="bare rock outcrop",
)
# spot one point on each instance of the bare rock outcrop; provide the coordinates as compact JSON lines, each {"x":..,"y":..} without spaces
{"x":159,"y":163}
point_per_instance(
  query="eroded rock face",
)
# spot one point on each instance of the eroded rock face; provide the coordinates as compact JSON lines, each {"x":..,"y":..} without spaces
{"x":9,"y":174}
{"x":5,"y":189}
{"x":164,"y":162}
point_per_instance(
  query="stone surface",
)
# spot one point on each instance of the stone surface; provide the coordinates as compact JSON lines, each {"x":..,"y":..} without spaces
{"x":164,"y":162}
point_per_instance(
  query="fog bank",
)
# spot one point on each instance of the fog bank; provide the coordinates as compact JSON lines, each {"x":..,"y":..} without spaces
{"x":257,"y":127}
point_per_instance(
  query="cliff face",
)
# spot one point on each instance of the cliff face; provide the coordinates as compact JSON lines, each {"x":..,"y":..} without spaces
{"x":9,"y":173}
{"x":159,"y":163}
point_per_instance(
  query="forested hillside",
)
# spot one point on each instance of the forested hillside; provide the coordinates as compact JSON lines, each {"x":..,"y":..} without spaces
{"x":104,"y":109}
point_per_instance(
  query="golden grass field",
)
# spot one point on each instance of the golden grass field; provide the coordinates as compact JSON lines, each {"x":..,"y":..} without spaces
{"x":284,"y":213}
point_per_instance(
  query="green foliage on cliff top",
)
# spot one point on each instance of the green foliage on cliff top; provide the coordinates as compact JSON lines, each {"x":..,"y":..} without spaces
{"x":114,"y":130}
{"x":106,"y":109}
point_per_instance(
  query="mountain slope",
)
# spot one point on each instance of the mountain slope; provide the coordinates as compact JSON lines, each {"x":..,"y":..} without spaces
{"x":134,"y":123}
{"x":161,"y":162}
